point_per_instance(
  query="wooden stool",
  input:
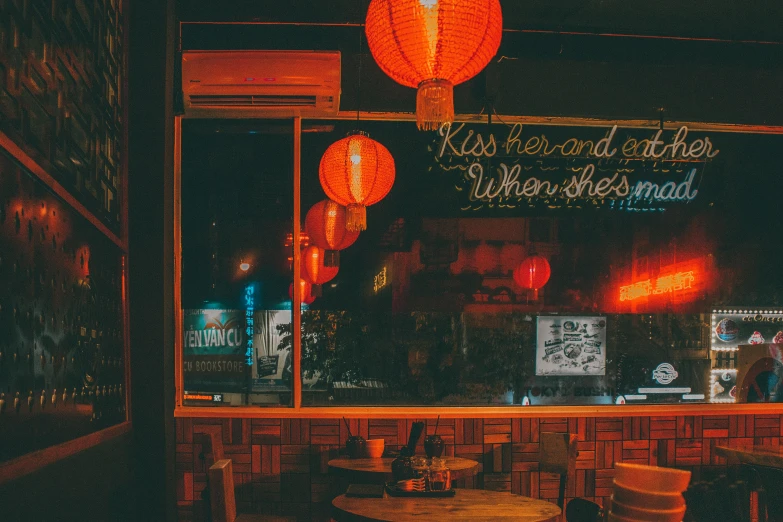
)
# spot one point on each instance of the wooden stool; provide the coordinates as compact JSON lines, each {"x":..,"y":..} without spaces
{"x":221,"y":495}
{"x":557,"y":453}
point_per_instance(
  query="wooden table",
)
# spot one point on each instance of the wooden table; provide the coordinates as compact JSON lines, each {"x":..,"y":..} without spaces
{"x":468,"y":504}
{"x":381,"y":468}
{"x":770,"y":457}
{"x":765,"y":465}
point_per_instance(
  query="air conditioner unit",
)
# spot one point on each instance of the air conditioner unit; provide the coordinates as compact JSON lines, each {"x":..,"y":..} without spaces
{"x":261,"y":84}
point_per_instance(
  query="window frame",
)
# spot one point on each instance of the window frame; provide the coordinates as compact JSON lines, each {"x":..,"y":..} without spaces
{"x":515,"y":411}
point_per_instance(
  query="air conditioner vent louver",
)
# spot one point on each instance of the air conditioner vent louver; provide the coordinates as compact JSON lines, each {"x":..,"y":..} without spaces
{"x":251,"y":100}
{"x":261,"y":84}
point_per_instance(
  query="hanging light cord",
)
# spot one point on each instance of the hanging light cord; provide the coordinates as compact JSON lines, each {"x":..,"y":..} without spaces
{"x":359,"y":80}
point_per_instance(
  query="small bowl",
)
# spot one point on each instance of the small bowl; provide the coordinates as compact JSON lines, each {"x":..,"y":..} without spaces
{"x":375,"y":448}
{"x":652,"y":478}
{"x":643,"y":514}
{"x":649,"y":499}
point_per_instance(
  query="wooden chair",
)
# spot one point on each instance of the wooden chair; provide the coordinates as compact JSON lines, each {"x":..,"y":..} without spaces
{"x":557,"y":453}
{"x":221,"y":495}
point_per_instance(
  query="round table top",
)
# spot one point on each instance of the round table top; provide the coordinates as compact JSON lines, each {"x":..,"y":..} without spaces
{"x":468,"y":504}
{"x":460,"y":468}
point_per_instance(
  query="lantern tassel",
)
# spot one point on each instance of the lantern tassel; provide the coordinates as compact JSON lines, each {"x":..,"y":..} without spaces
{"x":356,"y":217}
{"x":434,"y":104}
{"x":331,"y":258}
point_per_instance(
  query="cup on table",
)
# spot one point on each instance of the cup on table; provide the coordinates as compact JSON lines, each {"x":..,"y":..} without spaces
{"x":439,"y":475}
{"x":375,"y":448}
{"x":433,"y":446}
{"x":356,"y":446}
{"x":421,"y":468}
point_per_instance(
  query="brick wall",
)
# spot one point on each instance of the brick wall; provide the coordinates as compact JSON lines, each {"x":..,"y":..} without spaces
{"x":280,"y":465}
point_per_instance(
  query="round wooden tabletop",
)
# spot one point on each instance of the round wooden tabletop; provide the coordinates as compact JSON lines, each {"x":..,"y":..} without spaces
{"x":468,"y":504}
{"x":460,"y":468}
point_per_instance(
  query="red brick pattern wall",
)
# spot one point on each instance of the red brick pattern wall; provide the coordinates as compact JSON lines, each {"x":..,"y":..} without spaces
{"x":280,"y":465}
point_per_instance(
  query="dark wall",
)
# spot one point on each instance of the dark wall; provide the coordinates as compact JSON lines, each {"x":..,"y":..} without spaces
{"x":62,"y":70}
{"x":95,"y":484}
{"x":62,"y":102}
{"x":150,"y":229}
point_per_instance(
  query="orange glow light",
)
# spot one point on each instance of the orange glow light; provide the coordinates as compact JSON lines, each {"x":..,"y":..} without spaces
{"x":356,"y":172}
{"x":432,"y":45}
{"x":326,"y":226}
{"x":313,"y":269}
{"x":533,"y":273}
{"x":663,"y":285}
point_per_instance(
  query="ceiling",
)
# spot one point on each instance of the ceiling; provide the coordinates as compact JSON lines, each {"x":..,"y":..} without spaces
{"x":746,"y":20}
{"x":718,"y":61}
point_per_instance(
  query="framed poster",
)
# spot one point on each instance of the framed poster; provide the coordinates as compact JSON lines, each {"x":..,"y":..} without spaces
{"x":571,"y":345}
{"x":213,"y":350}
{"x":270,"y":360}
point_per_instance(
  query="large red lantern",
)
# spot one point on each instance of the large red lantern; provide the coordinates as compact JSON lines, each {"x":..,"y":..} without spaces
{"x":356,"y":172}
{"x":433,"y":45}
{"x":313,"y":269}
{"x":533,"y":273}
{"x":325,"y":226}
{"x":306,"y":292}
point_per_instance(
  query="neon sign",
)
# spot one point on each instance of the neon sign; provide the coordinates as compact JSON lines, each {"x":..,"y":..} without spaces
{"x":723,"y":385}
{"x":380,"y":281}
{"x":663,"y":285}
{"x":509,"y":168}
{"x":250,"y":303}
{"x":665,"y":374}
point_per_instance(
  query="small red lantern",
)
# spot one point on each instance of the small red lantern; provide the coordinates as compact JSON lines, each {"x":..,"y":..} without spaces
{"x":533,"y":273}
{"x":325,"y":225}
{"x":307,"y":296}
{"x":313,"y":269}
{"x":357,"y":172}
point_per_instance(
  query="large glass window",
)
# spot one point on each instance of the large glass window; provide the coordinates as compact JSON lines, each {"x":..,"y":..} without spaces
{"x":237,"y":207}
{"x":508,"y":265}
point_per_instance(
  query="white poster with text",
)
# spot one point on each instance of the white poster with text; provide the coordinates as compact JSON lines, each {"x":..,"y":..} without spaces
{"x":573,"y":345}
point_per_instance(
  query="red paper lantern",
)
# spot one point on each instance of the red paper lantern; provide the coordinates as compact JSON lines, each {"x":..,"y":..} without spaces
{"x":325,"y":225}
{"x":433,"y":45}
{"x":307,"y":296}
{"x":313,"y":269}
{"x":533,"y":273}
{"x":356,"y":172}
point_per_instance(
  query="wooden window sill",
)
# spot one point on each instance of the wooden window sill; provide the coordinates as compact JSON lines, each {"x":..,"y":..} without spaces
{"x":422,"y":412}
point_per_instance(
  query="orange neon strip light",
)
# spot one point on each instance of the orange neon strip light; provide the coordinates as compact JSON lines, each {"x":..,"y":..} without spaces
{"x":665,"y":284}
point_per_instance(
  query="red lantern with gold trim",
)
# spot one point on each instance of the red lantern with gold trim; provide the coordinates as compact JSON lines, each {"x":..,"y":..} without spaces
{"x":313,"y":269}
{"x":307,"y":295}
{"x":433,"y":45}
{"x":356,"y":172}
{"x":325,"y":226}
{"x":533,"y":273}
